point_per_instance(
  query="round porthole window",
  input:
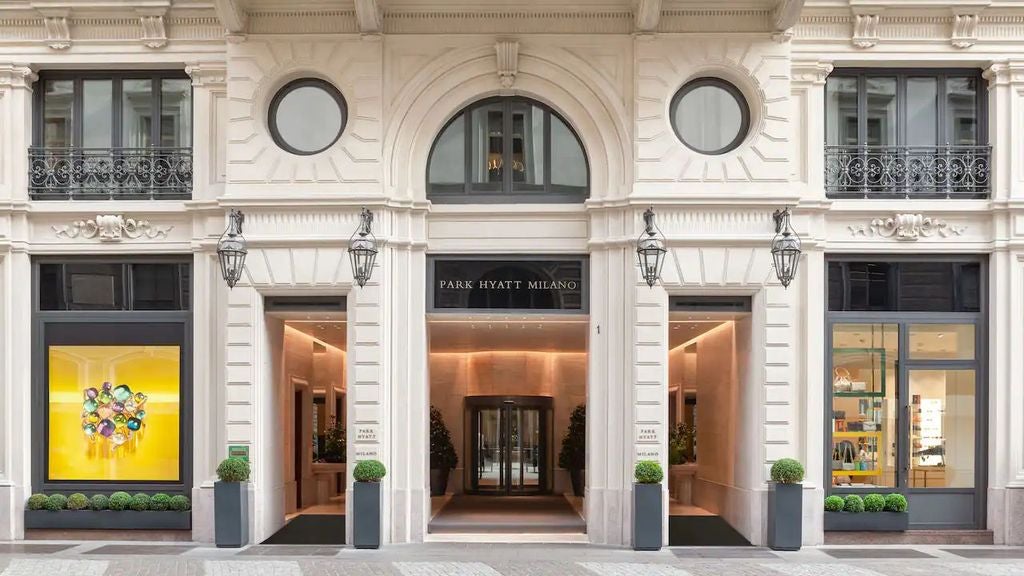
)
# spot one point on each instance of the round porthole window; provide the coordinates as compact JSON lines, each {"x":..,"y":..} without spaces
{"x":307,"y":116}
{"x":710,"y":116}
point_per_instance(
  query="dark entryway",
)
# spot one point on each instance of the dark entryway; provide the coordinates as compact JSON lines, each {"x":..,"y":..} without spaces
{"x":509,"y":437}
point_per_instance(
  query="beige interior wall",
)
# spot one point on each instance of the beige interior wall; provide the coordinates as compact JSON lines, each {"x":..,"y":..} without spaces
{"x":453,"y":376}
{"x":319,"y":371}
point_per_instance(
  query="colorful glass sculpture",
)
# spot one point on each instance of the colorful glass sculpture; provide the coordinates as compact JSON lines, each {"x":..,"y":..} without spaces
{"x":112,"y":413}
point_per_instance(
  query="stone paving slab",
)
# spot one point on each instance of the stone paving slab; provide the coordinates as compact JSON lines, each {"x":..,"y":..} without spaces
{"x":874,"y":553}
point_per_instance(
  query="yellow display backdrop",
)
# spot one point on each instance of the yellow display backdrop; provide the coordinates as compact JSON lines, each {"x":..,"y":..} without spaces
{"x":125,"y":430}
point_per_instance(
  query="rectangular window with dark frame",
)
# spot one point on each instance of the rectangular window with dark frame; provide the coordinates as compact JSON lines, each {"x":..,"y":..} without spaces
{"x":126,"y":134}
{"x":892,"y":133}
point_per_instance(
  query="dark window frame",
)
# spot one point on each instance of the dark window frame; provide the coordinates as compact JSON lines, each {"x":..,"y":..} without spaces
{"x":128,"y":301}
{"x":861,"y":74}
{"x":72,"y":325}
{"x":506,"y":192}
{"x":733,"y":91}
{"x":895,"y":287}
{"x":287,"y":89}
{"x":117,"y":78}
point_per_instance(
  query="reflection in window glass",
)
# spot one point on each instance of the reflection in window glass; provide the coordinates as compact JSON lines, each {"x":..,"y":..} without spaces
{"x":941,"y":341}
{"x":864,"y":404}
{"x":136,"y":113}
{"x":881,"y":102}
{"x":94,"y":286}
{"x":58,"y":113}
{"x":922,"y":111}
{"x":308,"y":118}
{"x":961,"y":111}
{"x":708,"y":118}
{"x":97,"y":113}
{"x":942,"y":428}
{"x":176,"y":113}
{"x":527,"y":146}
{"x":841,"y":107}
{"x":487,"y":129}
{"x":568,"y":165}
{"x":447,"y":160}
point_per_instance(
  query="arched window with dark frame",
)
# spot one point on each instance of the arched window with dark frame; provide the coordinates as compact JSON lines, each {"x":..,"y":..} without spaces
{"x":507,"y":150}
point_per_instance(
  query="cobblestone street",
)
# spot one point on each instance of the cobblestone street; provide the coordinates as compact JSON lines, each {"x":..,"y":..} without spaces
{"x":106,"y":559}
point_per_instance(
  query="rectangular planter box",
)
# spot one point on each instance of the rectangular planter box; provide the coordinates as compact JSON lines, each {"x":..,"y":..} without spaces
{"x":366,"y":514}
{"x":785,"y":516}
{"x":647,"y":517}
{"x":867,"y":521}
{"x":231,"y":514}
{"x":107,"y":520}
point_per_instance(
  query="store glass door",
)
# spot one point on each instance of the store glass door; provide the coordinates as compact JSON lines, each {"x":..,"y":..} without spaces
{"x":509,"y":453}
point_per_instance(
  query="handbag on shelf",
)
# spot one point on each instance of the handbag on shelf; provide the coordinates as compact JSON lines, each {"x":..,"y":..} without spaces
{"x":846,"y":455}
{"x":841,"y":381}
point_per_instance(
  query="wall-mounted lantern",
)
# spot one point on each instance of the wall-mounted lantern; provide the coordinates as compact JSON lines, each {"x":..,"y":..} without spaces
{"x":650,"y":250}
{"x":362,"y":249}
{"x":231,"y":249}
{"x":785,"y":248}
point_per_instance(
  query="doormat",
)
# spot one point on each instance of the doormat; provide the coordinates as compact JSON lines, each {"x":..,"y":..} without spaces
{"x":702,"y":531}
{"x":311,"y":529}
{"x":507,"y":515}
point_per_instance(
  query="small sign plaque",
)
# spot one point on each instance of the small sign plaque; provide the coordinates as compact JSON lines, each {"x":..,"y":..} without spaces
{"x":239,"y":451}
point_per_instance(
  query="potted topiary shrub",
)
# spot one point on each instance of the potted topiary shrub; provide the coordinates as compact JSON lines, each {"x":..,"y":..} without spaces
{"x":443,"y":458}
{"x":785,"y":505}
{"x":573,"y":456}
{"x":872,"y":513}
{"x":366,"y":524}
{"x":647,"y":503}
{"x":127,"y":512}
{"x":231,"y":504}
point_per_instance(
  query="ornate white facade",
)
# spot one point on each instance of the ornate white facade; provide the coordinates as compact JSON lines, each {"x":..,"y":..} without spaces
{"x":610,"y":68}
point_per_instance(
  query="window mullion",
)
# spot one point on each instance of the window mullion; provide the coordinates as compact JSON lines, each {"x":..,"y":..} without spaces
{"x":467,"y":128}
{"x":506,"y":145}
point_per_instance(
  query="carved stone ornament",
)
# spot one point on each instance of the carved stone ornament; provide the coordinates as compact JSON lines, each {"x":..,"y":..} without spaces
{"x":154,"y":33}
{"x":58,"y":33}
{"x":508,"y":61}
{"x":865,"y":30}
{"x":111,"y":228}
{"x":907,"y":227}
{"x":965,"y":30}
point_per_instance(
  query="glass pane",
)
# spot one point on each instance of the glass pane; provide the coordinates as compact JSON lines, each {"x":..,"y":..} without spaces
{"x":841,"y":111}
{"x":94,"y":286}
{"x":156,"y":287}
{"x":51,"y":287}
{"x":97,"y":113}
{"x":969,"y":293}
{"x":176,"y":113}
{"x":708,"y":118}
{"x":881,"y":95}
{"x":448,"y":159}
{"x":961,"y":111}
{"x":568,"y":164}
{"x":926,"y":287}
{"x":490,"y":456}
{"x":308,"y":119}
{"x":870,"y":286}
{"x":487,"y":149}
{"x":58,"y":113}
{"x":922,"y":111}
{"x":136,"y":113}
{"x":526,"y":447}
{"x":942,"y":428}
{"x":941,"y":341}
{"x":527,"y":147}
{"x":864,"y":406}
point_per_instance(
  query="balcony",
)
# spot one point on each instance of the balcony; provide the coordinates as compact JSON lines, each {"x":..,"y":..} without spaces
{"x":907,"y":171}
{"x":110,"y":173}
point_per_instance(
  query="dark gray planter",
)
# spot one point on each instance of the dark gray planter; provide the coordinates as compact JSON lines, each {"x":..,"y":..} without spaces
{"x":107,"y":519}
{"x":785,"y":516}
{"x":867,"y":521}
{"x":439,"y":481}
{"x":366,"y":514}
{"x":576,"y":478}
{"x":647,"y":517}
{"x":231,"y":514}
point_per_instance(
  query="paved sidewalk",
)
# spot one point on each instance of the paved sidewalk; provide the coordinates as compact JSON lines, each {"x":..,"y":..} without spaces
{"x":448,"y":559}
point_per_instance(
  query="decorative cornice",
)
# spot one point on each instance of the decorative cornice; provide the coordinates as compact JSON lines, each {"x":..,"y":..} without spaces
{"x":965,"y":29}
{"x":208,"y":74}
{"x":647,"y":15}
{"x":17,"y":76}
{"x":369,"y":16}
{"x":508,"y":61}
{"x":865,"y":30}
{"x":58,"y":33}
{"x":154,"y":33}
{"x":111,"y":228}
{"x":907,"y":227}
{"x":813,"y":72}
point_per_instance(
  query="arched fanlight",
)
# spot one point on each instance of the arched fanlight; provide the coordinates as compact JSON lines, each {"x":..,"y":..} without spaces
{"x":231,"y":249}
{"x":362,"y":249}
{"x":785,"y":248}
{"x":650,"y":250}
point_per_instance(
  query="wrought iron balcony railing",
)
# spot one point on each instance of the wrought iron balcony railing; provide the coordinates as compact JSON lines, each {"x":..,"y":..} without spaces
{"x":110,"y":173}
{"x":907,"y":171}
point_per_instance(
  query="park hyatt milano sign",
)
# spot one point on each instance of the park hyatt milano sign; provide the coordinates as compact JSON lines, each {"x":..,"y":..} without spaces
{"x":508,"y":284}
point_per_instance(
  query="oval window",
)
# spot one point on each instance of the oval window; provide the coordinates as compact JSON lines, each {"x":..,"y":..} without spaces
{"x":307,"y":116}
{"x":710,"y":116}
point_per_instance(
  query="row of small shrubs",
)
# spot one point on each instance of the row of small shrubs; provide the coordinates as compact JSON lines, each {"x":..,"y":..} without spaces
{"x":870,"y":503}
{"x":117,"y":501}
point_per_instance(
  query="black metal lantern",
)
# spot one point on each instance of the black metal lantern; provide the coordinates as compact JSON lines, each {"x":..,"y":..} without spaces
{"x":362,"y":249}
{"x":785,"y":248}
{"x":650,"y":250}
{"x":231,"y":249}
